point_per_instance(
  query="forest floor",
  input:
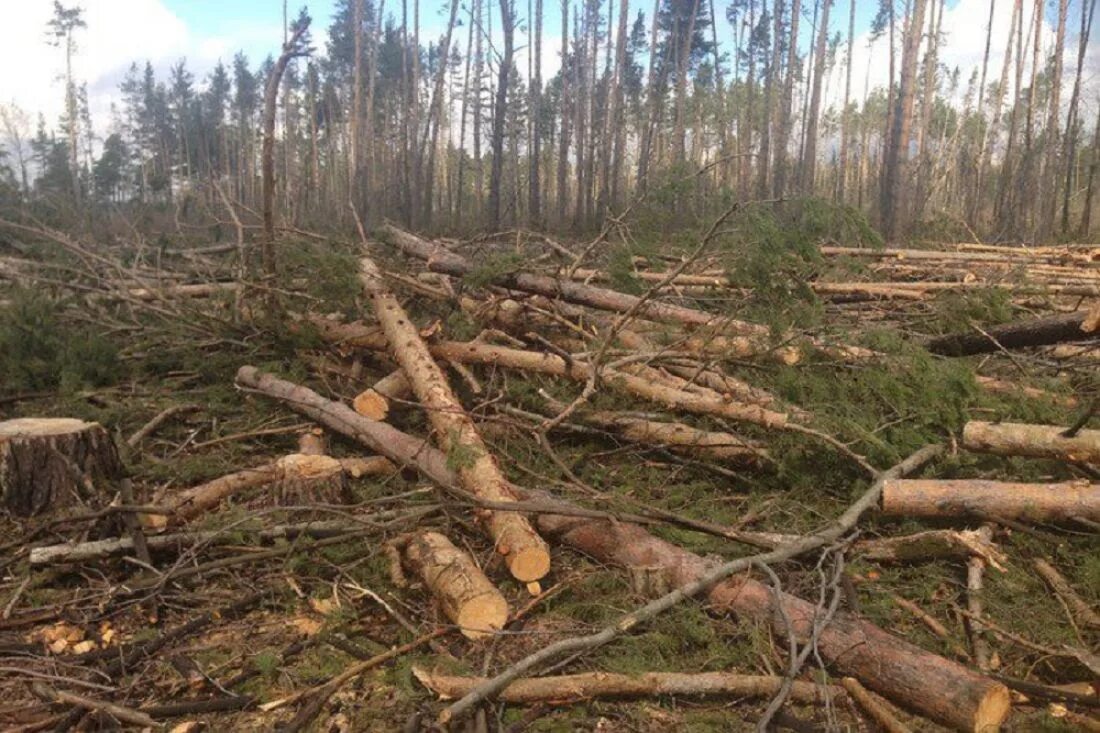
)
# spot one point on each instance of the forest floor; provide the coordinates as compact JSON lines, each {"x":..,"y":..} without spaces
{"x":235,"y":625}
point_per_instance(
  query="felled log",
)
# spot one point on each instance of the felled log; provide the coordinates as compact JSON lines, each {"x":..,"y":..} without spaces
{"x":374,"y":402}
{"x":1016,"y":335}
{"x":1001,"y":386}
{"x":463,"y":591}
{"x":595,"y":685}
{"x":526,"y":554}
{"x":475,"y":352}
{"x":296,"y":470}
{"x":449,"y":263}
{"x":1036,"y":441}
{"x":1082,"y":611}
{"x":936,"y":544}
{"x":908,"y":675}
{"x":196,"y":290}
{"x":1000,"y":499}
{"x":49,"y":462}
{"x":675,"y":436}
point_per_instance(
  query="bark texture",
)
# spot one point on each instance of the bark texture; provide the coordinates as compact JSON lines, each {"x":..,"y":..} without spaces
{"x":1018,"y":335}
{"x":593,"y":685}
{"x":49,"y":463}
{"x":1002,"y":499}
{"x":1036,"y":441}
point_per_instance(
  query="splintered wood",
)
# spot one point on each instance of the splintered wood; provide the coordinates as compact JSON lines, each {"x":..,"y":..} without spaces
{"x":49,"y":463}
{"x":526,"y":554}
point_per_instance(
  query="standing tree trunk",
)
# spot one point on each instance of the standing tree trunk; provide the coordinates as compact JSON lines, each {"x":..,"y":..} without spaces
{"x":434,"y":113}
{"x":614,"y":117}
{"x":534,"y":192}
{"x":354,"y":139}
{"x":563,"y":135}
{"x":809,"y":161}
{"x":500,"y":112}
{"x":1094,"y":166}
{"x":991,"y":133}
{"x":297,"y":45}
{"x":1069,"y":149}
{"x":1048,"y":183}
{"x":846,"y":117}
{"x":897,"y":151}
{"x":782,"y":142}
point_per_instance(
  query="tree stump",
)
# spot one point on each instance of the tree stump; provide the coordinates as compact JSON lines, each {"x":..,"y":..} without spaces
{"x":305,"y":479}
{"x":50,"y":462}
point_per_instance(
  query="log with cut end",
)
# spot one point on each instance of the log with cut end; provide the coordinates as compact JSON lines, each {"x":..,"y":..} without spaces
{"x":476,"y":352}
{"x":48,"y":463}
{"x":374,"y":402}
{"x":440,"y":260}
{"x":1036,"y":441}
{"x":594,"y":685}
{"x":296,"y":468}
{"x":526,"y":554}
{"x":997,"y":499}
{"x":1017,"y":335}
{"x":305,"y":478}
{"x":911,"y":677}
{"x":937,"y":688}
{"x":464,"y":593}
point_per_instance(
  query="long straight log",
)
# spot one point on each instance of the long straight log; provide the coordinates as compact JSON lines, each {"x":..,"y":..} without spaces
{"x":908,"y":675}
{"x":449,"y":263}
{"x":1035,"y":441}
{"x":1002,"y":499}
{"x":475,"y":352}
{"x":526,"y":554}
{"x":594,"y":685}
{"x":1021,"y":334}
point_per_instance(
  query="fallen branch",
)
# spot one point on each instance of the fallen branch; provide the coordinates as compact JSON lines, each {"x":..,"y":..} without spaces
{"x":159,"y":419}
{"x":937,"y":544}
{"x":1083,"y":613}
{"x":118,"y":712}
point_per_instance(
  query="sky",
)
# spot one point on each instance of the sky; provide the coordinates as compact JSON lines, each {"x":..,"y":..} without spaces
{"x":204,"y":31}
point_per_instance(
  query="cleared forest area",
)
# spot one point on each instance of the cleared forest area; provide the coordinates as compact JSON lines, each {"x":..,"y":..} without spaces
{"x":391,"y":385}
{"x":735,"y":476}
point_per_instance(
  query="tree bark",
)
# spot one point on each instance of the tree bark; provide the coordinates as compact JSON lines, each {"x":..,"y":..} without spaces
{"x":1004,"y":500}
{"x":1036,"y":441}
{"x":782,"y":142}
{"x":524,"y":551}
{"x":500,"y":112}
{"x":49,"y":463}
{"x":597,"y":685}
{"x":463,"y":591}
{"x":1016,"y":335}
{"x":292,"y":48}
{"x":809,"y":161}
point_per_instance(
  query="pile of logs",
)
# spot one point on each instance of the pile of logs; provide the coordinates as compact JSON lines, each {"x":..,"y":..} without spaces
{"x":670,"y":358}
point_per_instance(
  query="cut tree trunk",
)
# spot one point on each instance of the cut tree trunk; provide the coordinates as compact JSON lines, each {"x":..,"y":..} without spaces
{"x":594,"y":685}
{"x":465,"y":594}
{"x":305,"y":479}
{"x":908,"y":675}
{"x":475,"y":352}
{"x":449,"y":263}
{"x":296,"y":470}
{"x":48,"y":463}
{"x":1021,"y":334}
{"x":1036,"y":441}
{"x":526,"y":554}
{"x":374,"y":402}
{"x":991,"y":499}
